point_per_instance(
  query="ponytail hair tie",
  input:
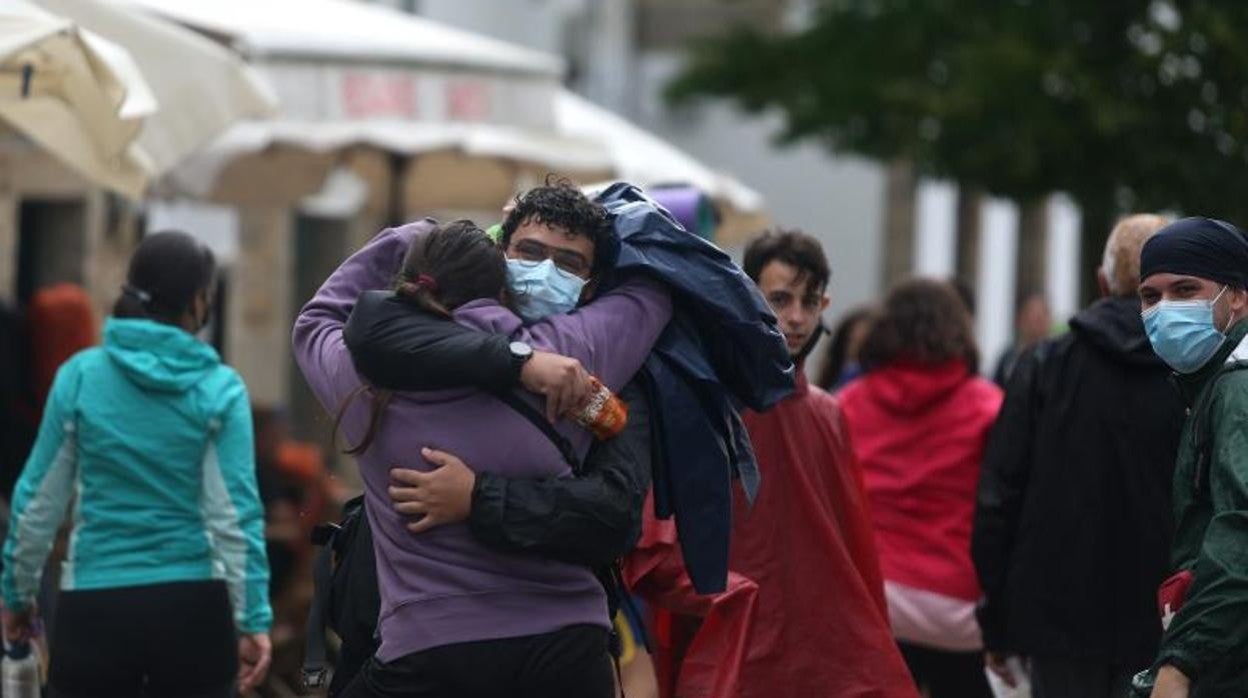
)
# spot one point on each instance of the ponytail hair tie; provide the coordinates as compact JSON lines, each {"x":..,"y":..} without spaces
{"x":142,"y":296}
{"x":427,"y":282}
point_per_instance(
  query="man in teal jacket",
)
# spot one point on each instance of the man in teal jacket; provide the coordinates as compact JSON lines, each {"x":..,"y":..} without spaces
{"x":1194,"y":291}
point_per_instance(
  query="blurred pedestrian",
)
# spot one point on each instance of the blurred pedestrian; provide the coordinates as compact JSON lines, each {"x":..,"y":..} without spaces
{"x":841,"y":364}
{"x":1072,"y":528}
{"x":1033,"y":321}
{"x":152,"y":434}
{"x":918,"y":421}
{"x":1194,"y":292}
{"x":18,"y":432}
{"x":822,"y":628}
{"x":61,"y":323}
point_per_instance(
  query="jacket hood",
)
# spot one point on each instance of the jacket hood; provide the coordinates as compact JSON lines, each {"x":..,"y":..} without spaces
{"x":909,"y":388}
{"x":158,"y":356}
{"x":1113,"y":326}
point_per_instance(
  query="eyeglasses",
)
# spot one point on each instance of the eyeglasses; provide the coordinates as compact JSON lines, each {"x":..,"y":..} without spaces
{"x":533,"y":251}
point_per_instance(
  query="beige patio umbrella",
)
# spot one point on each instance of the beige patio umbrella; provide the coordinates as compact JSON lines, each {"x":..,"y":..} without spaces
{"x":201,"y":87}
{"x":78,"y":96}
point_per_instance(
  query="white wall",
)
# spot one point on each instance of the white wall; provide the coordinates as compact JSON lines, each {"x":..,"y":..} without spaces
{"x":1062,"y":284}
{"x":998,"y":248}
{"x":935,"y":229}
{"x":534,"y":23}
{"x":217,"y":226}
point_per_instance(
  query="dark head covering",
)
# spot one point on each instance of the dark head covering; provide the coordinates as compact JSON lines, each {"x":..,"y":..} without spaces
{"x":1201,"y":247}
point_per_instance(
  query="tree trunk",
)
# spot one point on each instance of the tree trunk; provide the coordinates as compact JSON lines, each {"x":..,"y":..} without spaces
{"x":1096,"y":221}
{"x":898,"y":252}
{"x":970,"y":201}
{"x":1033,"y":235}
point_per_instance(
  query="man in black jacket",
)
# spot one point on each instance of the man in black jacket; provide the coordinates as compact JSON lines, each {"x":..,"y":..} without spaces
{"x":1072,"y":525}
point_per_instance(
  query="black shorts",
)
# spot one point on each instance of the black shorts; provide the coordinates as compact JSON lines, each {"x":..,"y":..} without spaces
{"x":164,"y":641}
{"x":572,"y":662}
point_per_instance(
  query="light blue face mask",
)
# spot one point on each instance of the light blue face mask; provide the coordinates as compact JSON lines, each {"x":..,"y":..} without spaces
{"x":1182,"y":332}
{"x":542,"y":289}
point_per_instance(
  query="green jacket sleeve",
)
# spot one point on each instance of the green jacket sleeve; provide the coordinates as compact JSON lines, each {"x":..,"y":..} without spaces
{"x":233,"y":514}
{"x":1213,"y":622}
{"x":41,"y":495}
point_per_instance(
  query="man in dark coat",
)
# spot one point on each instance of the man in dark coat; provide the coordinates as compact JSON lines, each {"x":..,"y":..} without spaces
{"x":1072,"y":525}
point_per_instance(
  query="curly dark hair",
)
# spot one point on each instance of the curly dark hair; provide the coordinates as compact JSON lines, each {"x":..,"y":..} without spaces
{"x":922,"y":321}
{"x":560,"y":204}
{"x":793,"y":247}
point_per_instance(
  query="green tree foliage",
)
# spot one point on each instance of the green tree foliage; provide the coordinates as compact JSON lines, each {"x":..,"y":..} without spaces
{"x":1124,"y":104}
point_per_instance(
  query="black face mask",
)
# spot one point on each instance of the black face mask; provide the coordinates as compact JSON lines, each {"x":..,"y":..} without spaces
{"x":800,"y":357}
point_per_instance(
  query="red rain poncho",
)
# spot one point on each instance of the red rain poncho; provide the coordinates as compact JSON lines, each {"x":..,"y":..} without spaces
{"x":821,"y":626}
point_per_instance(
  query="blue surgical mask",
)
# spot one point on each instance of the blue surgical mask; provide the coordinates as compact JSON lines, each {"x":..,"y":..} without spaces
{"x":1183,"y":333}
{"x":542,"y":289}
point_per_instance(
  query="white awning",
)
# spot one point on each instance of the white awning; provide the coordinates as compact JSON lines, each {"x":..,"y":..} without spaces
{"x":641,"y":158}
{"x":199,"y":175}
{"x":200,"y":88}
{"x":344,"y":32}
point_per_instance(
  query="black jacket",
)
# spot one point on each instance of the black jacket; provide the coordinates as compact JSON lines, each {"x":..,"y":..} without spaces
{"x":591,"y":519}
{"x":1073,"y":525}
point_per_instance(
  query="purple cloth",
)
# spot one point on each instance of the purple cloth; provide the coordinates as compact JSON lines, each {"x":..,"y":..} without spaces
{"x":443,"y":587}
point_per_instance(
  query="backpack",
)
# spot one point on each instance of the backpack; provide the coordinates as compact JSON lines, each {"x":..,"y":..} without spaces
{"x":345,"y":598}
{"x":347,"y":601}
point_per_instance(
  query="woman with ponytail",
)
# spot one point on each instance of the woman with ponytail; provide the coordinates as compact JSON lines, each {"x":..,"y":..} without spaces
{"x":165,"y":589}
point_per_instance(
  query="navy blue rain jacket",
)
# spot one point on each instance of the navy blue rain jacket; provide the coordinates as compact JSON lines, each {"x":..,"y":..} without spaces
{"x":722,"y":350}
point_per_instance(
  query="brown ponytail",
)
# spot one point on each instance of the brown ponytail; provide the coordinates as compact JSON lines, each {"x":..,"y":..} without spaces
{"x":379,"y":402}
{"x":444,"y":268}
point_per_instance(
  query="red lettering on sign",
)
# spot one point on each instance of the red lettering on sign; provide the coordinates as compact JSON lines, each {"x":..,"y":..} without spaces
{"x":467,"y":100}
{"x":378,"y":95}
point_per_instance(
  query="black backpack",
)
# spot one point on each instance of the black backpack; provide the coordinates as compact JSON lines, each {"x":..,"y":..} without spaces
{"x":346,"y":598}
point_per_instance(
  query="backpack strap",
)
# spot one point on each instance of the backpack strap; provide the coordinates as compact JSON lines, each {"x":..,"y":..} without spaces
{"x":531,"y":413}
{"x":609,"y":575}
{"x":1202,"y":427}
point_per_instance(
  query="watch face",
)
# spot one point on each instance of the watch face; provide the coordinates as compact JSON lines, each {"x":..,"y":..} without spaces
{"x":521,"y":350}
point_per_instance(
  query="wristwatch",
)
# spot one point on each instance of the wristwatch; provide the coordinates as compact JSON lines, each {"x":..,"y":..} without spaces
{"x":520,"y":355}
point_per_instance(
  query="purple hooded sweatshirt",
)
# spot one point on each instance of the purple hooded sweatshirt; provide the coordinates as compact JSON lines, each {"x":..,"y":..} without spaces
{"x":443,"y":587}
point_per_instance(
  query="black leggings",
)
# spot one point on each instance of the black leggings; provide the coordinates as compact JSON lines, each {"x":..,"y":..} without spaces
{"x":572,"y":662}
{"x":943,"y":674}
{"x":162,"y":641}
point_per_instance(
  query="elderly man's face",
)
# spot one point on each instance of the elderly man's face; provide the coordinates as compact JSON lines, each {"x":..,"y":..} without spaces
{"x":1230,"y":307}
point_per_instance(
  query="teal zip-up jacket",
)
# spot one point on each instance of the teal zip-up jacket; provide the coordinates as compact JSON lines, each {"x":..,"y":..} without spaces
{"x":150,"y":437}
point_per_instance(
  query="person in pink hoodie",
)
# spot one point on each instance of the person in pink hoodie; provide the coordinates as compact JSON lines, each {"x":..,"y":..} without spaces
{"x":918,"y":421}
